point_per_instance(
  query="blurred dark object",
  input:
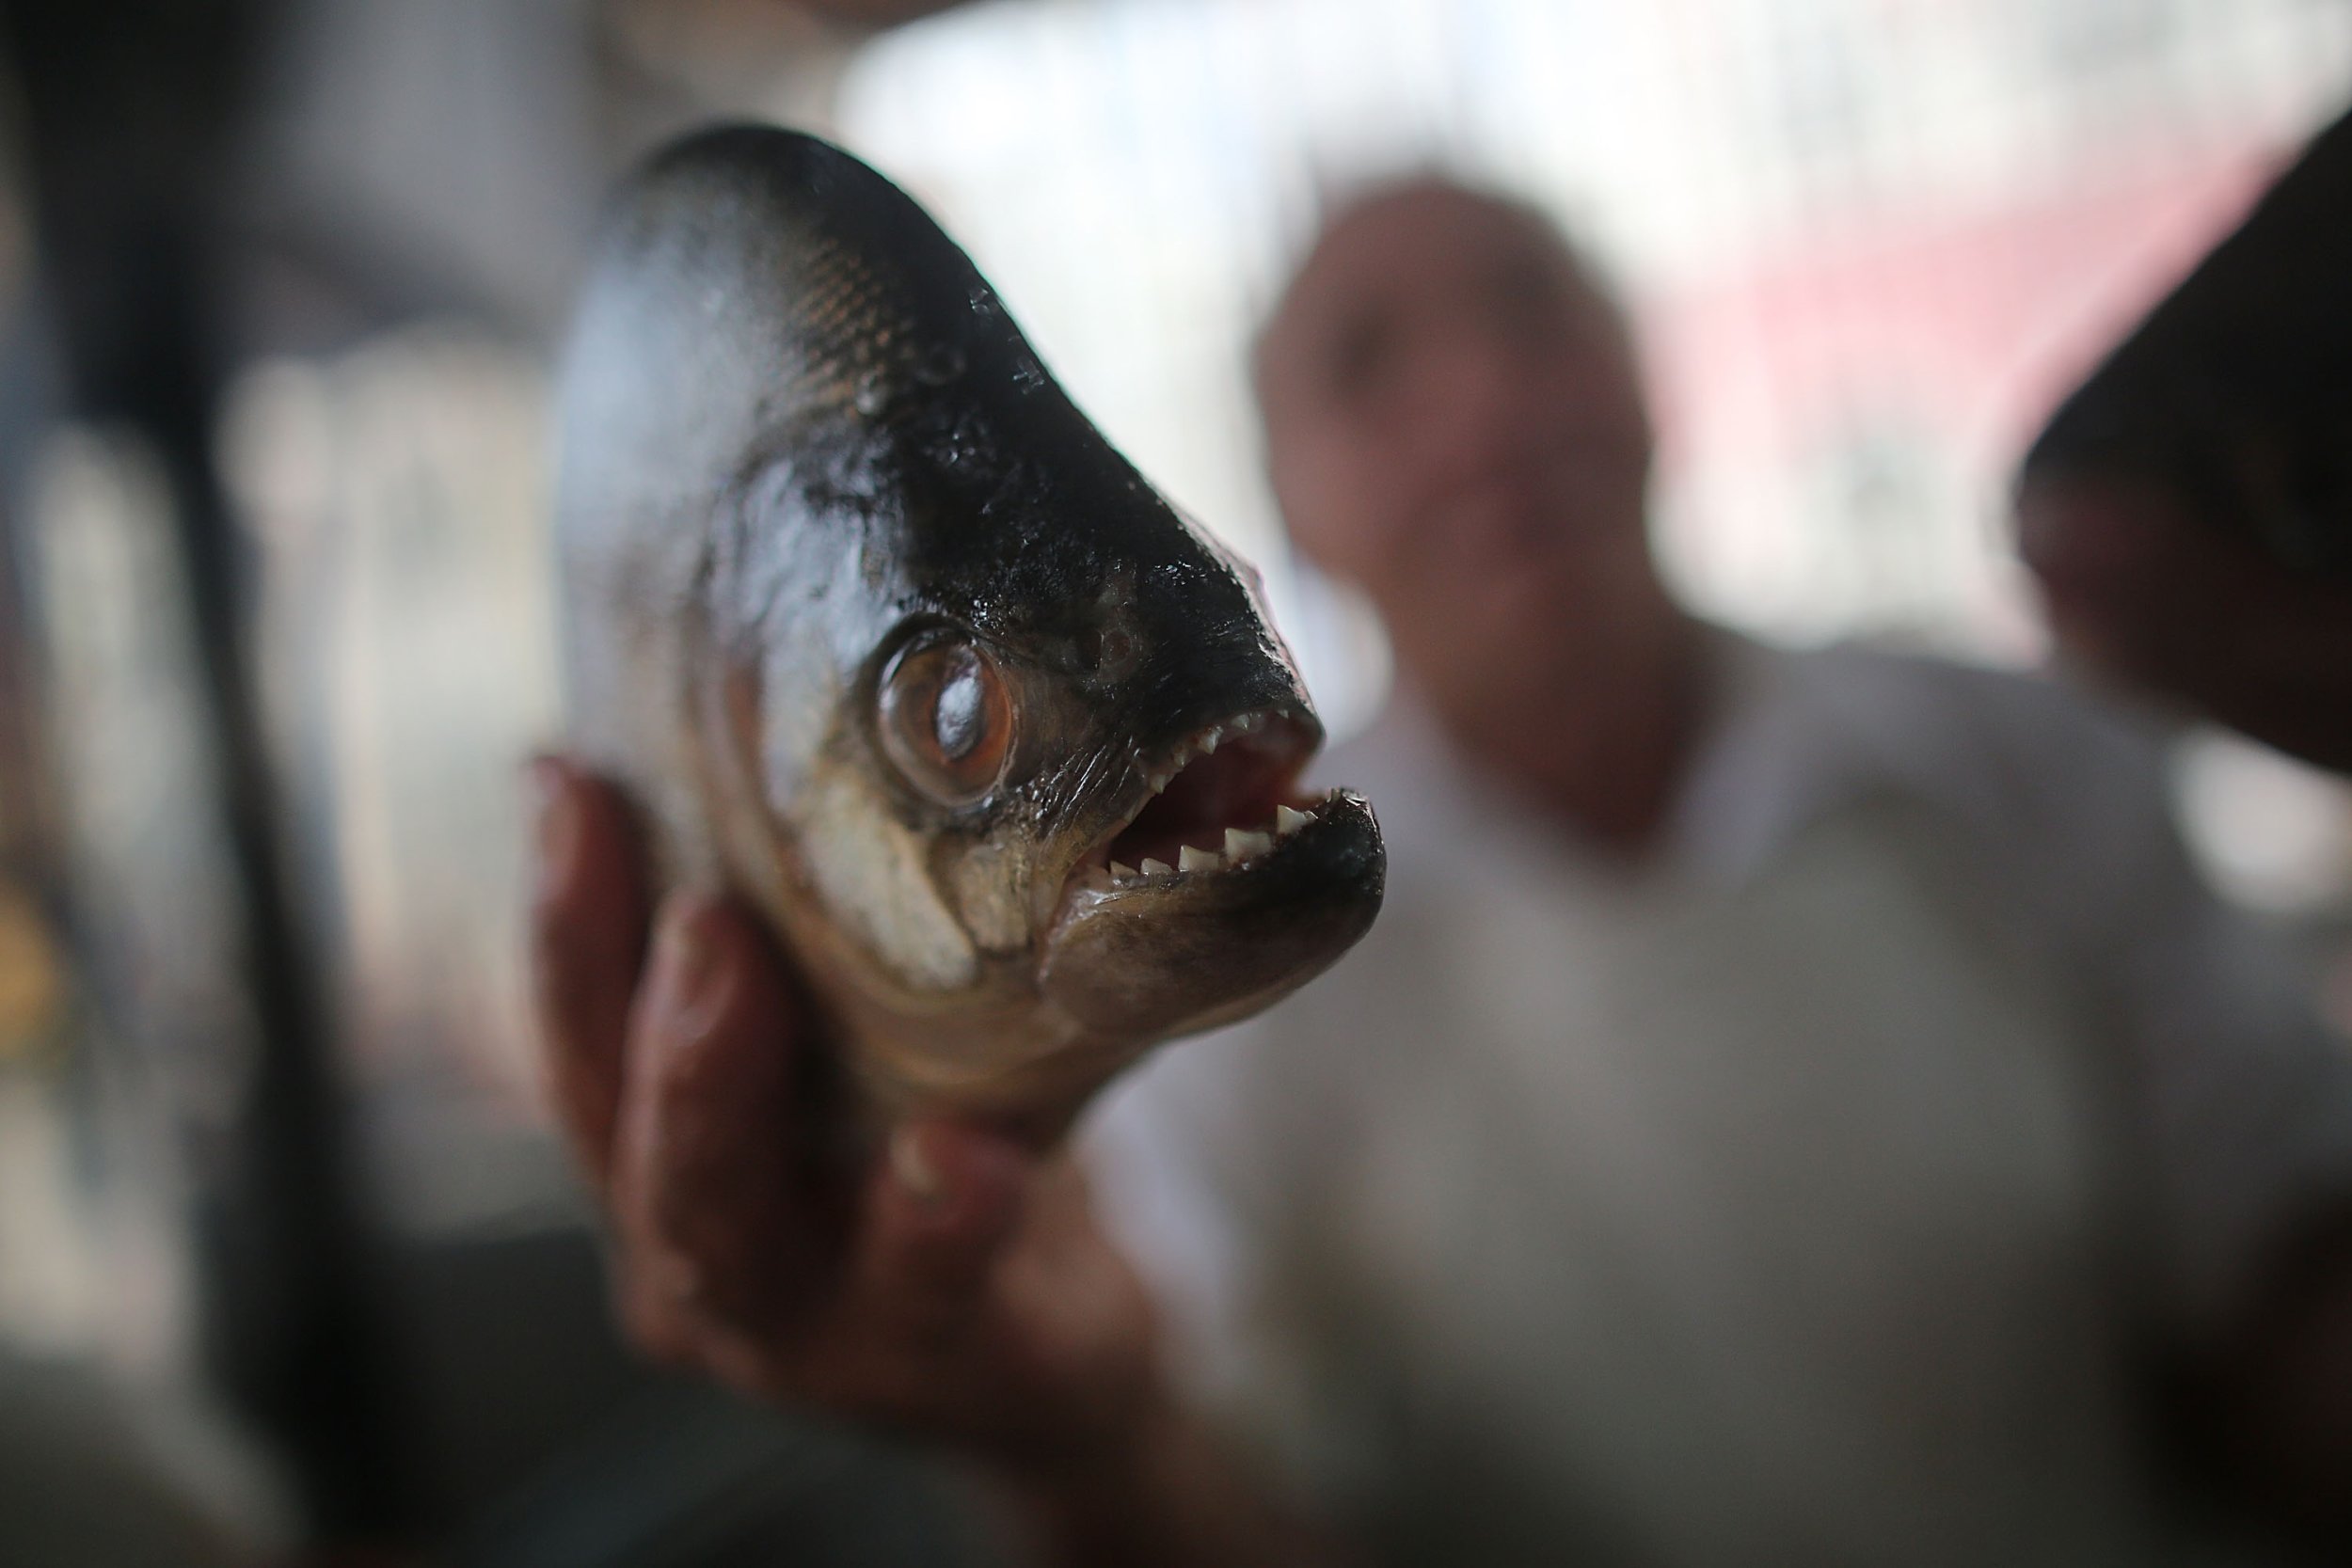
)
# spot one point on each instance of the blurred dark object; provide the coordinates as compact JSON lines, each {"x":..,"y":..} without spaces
{"x":2188,"y":512}
{"x":2235,"y":395}
{"x":130,"y":119}
{"x":555,"y":1447}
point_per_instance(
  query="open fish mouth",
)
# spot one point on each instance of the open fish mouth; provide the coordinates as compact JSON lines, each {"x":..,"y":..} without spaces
{"x":1220,"y":797}
{"x":1223,"y":888}
{"x":1220,"y":806}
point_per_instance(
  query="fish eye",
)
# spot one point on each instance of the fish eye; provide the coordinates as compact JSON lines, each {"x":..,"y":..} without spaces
{"x":947,"y":719}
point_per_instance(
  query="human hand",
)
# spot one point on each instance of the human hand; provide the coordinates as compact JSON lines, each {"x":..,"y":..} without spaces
{"x":940,"y":1280}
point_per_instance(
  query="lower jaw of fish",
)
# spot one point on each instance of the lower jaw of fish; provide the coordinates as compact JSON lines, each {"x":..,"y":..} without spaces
{"x":1133,"y":960}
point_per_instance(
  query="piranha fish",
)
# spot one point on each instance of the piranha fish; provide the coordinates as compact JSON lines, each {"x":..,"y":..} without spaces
{"x":884,"y":635}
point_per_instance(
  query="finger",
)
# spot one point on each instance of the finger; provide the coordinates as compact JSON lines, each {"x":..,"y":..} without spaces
{"x":938,"y":1214}
{"x":713,"y":1217}
{"x":589,"y":917}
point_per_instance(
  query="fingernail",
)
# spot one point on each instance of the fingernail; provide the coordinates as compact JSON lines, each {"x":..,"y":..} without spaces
{"x":688,"y":969}
{"x":559,"y":822}
{"x":912,"y":1164}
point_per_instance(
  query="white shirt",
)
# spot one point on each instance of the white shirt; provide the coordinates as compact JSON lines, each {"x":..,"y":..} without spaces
{"x":1817,"y":1195}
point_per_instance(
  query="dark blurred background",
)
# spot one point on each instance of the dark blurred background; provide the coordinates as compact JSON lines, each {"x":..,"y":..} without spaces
{"x":281,"y":284}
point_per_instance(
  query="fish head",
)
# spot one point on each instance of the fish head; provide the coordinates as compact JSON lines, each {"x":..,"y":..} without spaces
{"x":893,"y":641}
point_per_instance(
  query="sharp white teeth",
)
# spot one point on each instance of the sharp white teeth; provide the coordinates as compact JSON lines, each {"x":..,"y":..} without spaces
{"x":1240,"y":846}
{"x":1122,"y":873}
{"x":1159,"y":781}
{"x":1158,"y":868}
{"x":1209,"y":742}
{"x":1287,"y":821}
{"x":1190,"y":859}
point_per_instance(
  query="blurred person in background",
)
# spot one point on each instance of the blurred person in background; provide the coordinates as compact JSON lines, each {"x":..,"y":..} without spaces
{"x":1794,"y":1107}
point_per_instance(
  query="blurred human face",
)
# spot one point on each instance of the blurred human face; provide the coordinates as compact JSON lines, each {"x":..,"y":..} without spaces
{"x":1455,"y":424}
